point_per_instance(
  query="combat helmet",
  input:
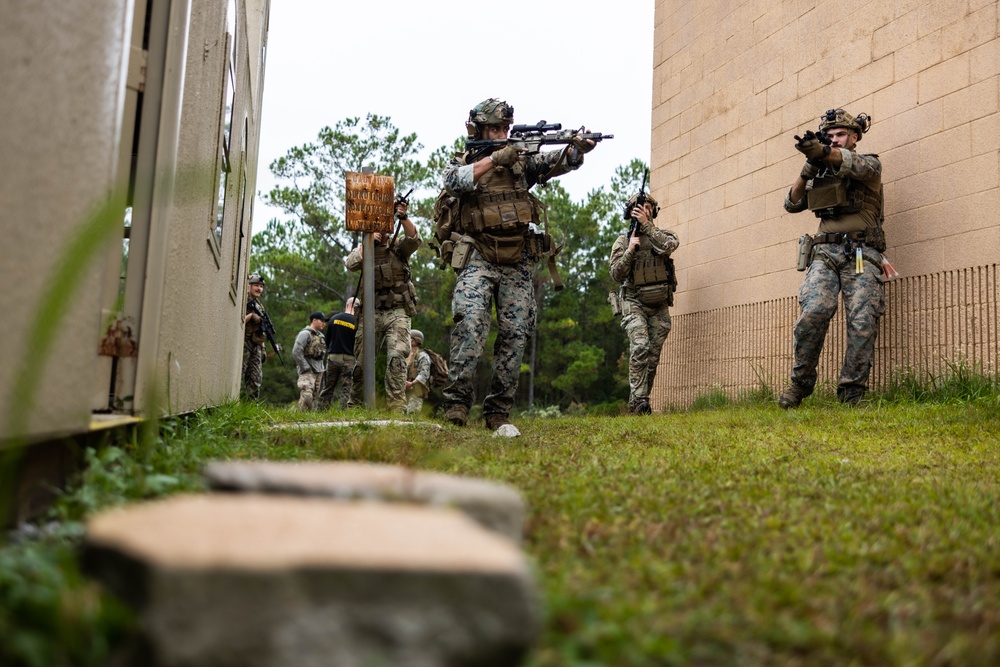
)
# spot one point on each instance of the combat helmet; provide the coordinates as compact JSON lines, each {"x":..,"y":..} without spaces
{"x":630,"y":204}
{"x":840,"y":118}
{"x":417,"y":335}
{"x":488,"y":112}
{"x":255,"y":279}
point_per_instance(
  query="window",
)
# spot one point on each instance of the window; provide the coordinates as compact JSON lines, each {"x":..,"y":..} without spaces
{"x":243,"y":214}
{"x":228,"y":105}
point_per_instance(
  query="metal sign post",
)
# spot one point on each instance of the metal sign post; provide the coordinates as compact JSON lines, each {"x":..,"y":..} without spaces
{"x":370,"y":208}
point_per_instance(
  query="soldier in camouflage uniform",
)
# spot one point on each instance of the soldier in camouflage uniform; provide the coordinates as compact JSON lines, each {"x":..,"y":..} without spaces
{"x":642,"y":264}
{"x":395,"y":304}
{"x":844,"y":189}
{"x":253,"y":339}
{"x":418,"y":373}
{"x":309,"y":353}
{"x":497,"y":218}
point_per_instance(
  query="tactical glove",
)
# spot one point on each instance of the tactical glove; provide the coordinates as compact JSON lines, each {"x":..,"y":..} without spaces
{"x":809,"y":170}
{"x":810,"y":146}
{"x":582,"y":145}
{"x":505,"y":157}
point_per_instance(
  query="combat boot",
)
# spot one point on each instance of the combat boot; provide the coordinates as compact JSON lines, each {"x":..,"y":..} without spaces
{"x":457,"y":414}
{"x":793,"y":396}
{"x":499,"y":423}
{"x":641,"y":407}
{"x":850,"y":395}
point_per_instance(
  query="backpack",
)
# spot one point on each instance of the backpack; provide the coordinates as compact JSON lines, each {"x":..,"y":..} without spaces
{"x":447,"y":228}
{"x":439,"y":369}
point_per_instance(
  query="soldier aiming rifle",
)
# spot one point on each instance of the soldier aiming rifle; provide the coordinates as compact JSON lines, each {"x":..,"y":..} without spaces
{"x":529,"y":139}
{"x":487,"y":223}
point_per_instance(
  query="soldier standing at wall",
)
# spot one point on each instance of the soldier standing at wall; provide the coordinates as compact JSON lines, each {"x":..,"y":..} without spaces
{"x":418,"y":373}
{"x":340,"y":334}
{"x":641,"y":263}
{"x":497,"y":218}
{"x":844,"y":189}
{"x":253,"y":339}
{"x":395,"y":304}
{"x":309,"y":353}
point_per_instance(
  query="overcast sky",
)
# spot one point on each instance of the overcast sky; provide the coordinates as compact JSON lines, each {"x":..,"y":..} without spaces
{"x":425,"y":64}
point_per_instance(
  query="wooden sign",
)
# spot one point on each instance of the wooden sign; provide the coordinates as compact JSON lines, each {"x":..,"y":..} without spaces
{"x":370,"y":202}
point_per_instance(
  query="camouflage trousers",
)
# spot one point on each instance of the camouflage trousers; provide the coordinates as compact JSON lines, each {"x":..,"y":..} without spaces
{"x":309,"y":383}
{"x":414,"y":402}
{"x":647,"y":328}
{"x":832,"y":272}
{"x":478,"y":285}
{"x":393,"y":327}
{"x":253,"y":372}
{"x":337,"y":380}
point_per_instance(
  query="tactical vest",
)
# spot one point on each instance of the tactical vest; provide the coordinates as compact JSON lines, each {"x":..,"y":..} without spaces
{"x":316,"y":347}
{"x":498,"y":215}
{"x":254,"y":330}
{"x":652,"y":280}
{"x":832,"y":196}
{"x":393,"y":288}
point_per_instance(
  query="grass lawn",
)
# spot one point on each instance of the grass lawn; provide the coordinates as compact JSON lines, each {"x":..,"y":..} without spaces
{"x":742,"y":535}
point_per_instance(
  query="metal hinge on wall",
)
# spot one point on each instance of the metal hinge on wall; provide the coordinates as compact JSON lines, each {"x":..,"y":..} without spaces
{"x":137,"y":62}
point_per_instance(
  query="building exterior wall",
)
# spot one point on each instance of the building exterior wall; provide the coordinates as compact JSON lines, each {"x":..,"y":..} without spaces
{"x":733,"y":82}
{"x":200,"y":337}
{"x":64,"y":76}
{"x":86,"y":79}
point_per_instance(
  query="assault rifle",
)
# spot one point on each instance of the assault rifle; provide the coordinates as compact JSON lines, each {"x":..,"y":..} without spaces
{"x":268,"y":328}
{"x":640,"y":200}
{"x":821,"y":136}
{"x":530,"y":138}
{"x":403,"y":199}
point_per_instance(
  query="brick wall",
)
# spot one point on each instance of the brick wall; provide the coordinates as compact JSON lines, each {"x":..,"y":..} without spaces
{"x":733,"y":82}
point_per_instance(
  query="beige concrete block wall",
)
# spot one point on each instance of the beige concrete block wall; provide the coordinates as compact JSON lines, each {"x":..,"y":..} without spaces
{"x":733,"y":82}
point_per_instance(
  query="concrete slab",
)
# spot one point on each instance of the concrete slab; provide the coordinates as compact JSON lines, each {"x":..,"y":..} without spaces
{"x":495,"y":506}
{"x":268,"y":581}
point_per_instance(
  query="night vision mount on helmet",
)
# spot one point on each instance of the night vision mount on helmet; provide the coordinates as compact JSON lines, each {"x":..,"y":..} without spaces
{"x":488,"y":112}
{"x":646,"y":199}
{"x":859,"y":124}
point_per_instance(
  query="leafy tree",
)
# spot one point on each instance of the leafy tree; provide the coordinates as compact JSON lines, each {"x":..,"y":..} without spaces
{"x":312,"y":191}
{"x":302,"y":255}
{"x":577,"y":355}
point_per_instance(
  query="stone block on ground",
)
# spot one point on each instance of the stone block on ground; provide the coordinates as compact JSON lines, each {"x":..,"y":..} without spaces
{"x":277,"y":581}
{"x":495,"y":506}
